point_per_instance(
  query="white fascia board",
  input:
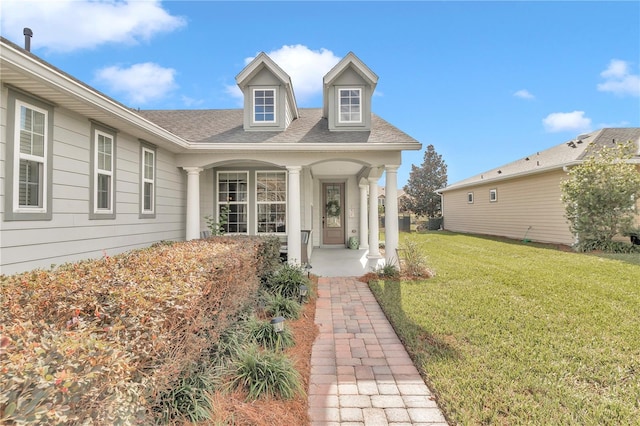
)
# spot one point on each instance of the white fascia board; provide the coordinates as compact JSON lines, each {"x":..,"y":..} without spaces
{"x":62,"y":83}
{"x":288,"y":147}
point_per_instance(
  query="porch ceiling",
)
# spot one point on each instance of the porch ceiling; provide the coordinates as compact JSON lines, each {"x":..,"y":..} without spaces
{"x":332,"y":168}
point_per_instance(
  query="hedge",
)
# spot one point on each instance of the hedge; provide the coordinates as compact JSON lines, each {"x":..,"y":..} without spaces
{"x":99,"y":341}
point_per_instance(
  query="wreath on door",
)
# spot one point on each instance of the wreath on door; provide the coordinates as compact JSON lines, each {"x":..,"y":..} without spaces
{"x":333,"y":208}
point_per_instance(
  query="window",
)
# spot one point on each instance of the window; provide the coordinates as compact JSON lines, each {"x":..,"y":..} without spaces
{"x":493,"y":195}
{"x":28,"y":150}
{"x":349,"y":106}
{"x":271,"y":200}
{"x":232,"y":198}
{"x":264,"y":107}
{"x":103,"y":169}
{"x":31,"y":158}
{"x":470,"y":197}
{"x":148,"y":181}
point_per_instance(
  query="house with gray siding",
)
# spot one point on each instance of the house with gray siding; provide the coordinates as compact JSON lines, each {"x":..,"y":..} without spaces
{"x":522,"y":199}
{"x":82,"y":175}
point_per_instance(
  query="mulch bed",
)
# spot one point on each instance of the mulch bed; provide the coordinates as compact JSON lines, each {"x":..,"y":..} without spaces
{"x":233,"y":409}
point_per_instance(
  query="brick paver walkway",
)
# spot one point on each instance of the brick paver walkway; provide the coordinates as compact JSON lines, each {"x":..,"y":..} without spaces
{"x":360,"y":372}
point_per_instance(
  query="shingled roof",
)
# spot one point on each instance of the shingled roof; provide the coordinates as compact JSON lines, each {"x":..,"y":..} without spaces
{"x":225,"y":126}
{"x":565,"y":154}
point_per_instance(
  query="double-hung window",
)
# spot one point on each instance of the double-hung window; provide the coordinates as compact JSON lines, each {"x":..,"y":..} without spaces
{"x":271,"y":200}
{"x":233,"y":190}
{"x":148,"y":181}
{"x":103,"y":179}
{"x":349,"y":105}
{"x":264,"y":106}
{"x":29,"y":157}
{"x":30,"y":160}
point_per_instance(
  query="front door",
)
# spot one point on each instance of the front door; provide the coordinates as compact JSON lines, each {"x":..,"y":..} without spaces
{"x":333,"y":213}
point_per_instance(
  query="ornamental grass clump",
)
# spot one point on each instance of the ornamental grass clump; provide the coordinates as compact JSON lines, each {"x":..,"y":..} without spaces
{"x":264,"y":374}
{"x":286,"y":281}
{"x":280,"y":306}
{"x":263,"y":333}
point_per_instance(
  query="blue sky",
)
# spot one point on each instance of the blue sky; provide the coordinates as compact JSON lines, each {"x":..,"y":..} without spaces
{"x":485,"y":82}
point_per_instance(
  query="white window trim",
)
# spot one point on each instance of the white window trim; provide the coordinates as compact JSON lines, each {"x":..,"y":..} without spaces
{"x":97,"y":171}
{"x":286,"y":183}
{"x":470,"y":197}
{"x":340,"y":120}
{"x":253,"y":105}
{"x":246,"y":202}
{"x":20,"y":156}
{"x":493,"y":195}
{"x":145,"y":180}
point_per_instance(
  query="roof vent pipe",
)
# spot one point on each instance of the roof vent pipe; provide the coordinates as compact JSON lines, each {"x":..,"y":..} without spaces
{"x":27,"y":39}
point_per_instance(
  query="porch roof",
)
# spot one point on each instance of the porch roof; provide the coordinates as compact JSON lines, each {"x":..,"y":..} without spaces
{"x":225,"y":126}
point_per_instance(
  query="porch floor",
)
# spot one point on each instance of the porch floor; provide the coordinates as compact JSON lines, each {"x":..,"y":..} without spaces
{"x":341,"y":262}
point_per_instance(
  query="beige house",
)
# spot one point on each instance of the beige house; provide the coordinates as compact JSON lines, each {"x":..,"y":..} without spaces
{"x":522,"y":199}
{"x":82,"y":175}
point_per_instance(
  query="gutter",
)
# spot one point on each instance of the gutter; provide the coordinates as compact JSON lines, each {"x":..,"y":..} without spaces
{"x":295,"y":146}
{"x":50,"y":76}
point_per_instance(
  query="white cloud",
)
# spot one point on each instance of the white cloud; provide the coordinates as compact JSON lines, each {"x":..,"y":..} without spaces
{"x":523,"y":94}
{"x":619,"y":80}
{"x":566,"y":121}
{"x":140,"y":83}
{"x":67,"y":25}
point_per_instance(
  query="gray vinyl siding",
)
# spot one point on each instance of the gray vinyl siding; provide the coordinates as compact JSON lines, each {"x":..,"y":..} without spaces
{"x":529,"y":201}
{"x":71,"y":234}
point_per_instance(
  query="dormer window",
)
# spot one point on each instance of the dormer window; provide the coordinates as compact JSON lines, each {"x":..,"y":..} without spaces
{"x":350,"y":106}
{"x":264,"y":105}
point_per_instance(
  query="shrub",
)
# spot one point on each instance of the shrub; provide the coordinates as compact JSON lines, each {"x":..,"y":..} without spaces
{"x":286,"y":281}
{"x":263,"y":333}
{"x":607,"y":246}
{"x":279,"y":305}
{"x":100,"y":341}
{"x":415,"y":263}
{"x":388,"y":270}
{"x":599,"y":195}
{"x":268,"y":256}
{"x":265,"y":374}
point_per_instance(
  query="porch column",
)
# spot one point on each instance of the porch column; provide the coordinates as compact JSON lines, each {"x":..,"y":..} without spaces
{"x":374,"y":243}
{"x":391,"y":215}
{"x":193,"y":203}
{"x":294,"y":253}
{"x":364,"y":229}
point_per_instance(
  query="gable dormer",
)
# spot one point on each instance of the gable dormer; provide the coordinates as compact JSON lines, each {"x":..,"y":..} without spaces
{"x":269,"y":102}
{"x":348,"y":89}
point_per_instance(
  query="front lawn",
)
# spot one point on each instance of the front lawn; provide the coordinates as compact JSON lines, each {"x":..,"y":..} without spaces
{"x":513,"y":333}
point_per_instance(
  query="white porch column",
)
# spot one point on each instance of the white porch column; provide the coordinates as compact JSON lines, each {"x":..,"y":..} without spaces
{"x":391,"y":214}
{"x":193,"y":203}
{"x":374,"y":243}
{"x":294,"y":253}
{"x":364,"y":228}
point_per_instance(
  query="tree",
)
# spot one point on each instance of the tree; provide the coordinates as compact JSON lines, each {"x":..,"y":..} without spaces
{"x":423,"y":183}
{"x":600,"y":196}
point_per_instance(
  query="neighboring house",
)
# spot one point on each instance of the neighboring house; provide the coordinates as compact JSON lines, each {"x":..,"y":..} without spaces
{"x":523,"y":198}
{"x":382,"y":195}
{"x":401,"y":196}
{"x":83,"y":175}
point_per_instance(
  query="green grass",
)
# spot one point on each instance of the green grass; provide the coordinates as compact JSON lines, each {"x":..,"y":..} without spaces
{"x":513,"y":333}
